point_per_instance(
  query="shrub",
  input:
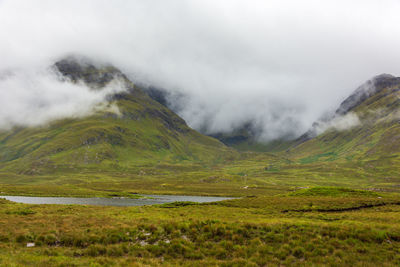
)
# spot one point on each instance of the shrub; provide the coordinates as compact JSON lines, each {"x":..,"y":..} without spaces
{"x":22,"y":212}
{"x":50,"y":239}
{"x":115,"y":251}
{"x":96,"y":250}
{"x":79,"y":241}
{"x":221,"y":253}
{"x":156,"y":250}
{"x":4,"y":238}
{"x":282,"y":254}
{"x":20,"y":238}
{"x":298,"y":252}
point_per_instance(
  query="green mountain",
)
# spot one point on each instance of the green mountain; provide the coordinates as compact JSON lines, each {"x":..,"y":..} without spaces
{"x":366,"y":127}
{"x":365,"y":124}
{"x":134,"y":143}
{"x":242,"y":138}
{"x":132,"y":129}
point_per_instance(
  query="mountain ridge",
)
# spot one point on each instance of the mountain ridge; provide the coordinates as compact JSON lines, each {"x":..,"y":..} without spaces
{"x":379,"y":87}
{"x":376,"y":132}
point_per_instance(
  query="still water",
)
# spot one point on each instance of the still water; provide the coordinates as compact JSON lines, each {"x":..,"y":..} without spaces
{"x":147,"y":200}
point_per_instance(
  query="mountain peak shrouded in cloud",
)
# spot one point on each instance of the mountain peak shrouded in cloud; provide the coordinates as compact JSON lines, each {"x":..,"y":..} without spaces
{"x":347,"y":116}
{"x":224,"y":64}
{"x":366,"y":90}
{"x":81,"y":69}
{"x":34,"y":97}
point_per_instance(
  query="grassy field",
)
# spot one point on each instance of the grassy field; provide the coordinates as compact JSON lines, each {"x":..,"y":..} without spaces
{"x":318,"y":226}
{"x":305,"y":211}
{"x":248,"y":174}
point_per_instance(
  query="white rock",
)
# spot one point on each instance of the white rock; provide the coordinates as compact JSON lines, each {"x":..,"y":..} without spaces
{"x":143,"y":243}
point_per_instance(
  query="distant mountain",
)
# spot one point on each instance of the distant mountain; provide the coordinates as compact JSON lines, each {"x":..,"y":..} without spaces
{"x":136,"y":127}
{"x":374,"y":102}
{"x":140,"y":130}
{"x":246,"y":138}
{"x":371,"y":115}
{"x":244,"y":134}
{"x":365,"y":126}
{"x":367,"y":90}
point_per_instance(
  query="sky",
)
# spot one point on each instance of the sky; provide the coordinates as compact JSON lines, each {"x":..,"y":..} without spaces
{"x":279,"y":64}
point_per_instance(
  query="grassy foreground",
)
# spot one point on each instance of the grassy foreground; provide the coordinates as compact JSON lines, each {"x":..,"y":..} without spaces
{"x":307,"y":211}
{"x":318,"y":226}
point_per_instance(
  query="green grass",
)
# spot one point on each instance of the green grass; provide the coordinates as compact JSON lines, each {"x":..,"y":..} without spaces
{"x":314,"y":158}
{"x":333,"y":191}
{"x":251,"y":231}
{"x":253,"y":174}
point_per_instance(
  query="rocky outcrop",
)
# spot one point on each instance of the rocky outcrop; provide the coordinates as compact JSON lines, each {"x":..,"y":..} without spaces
{"x":366,"y":90}
{"x":81,"y":69}
{"x":363,"y":93}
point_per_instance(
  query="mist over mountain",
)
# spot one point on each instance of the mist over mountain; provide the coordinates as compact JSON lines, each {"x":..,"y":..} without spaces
{"x":37,"y":97}
{"x":344,"y":118}
{"x":224,"y":65}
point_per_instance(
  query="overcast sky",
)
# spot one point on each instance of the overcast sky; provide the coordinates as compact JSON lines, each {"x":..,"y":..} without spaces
{"x":278,"y":63}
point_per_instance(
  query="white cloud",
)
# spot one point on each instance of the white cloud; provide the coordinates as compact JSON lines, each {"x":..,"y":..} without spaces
{"x":278,"y":63}
{"x":339,"y":123}
{"x":34,"y":98}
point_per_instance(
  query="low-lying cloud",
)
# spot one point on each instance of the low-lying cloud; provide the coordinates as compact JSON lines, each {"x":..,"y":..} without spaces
{"x":277,"y":64}
{"x":339,"y":123}
{"x":32,"y":98}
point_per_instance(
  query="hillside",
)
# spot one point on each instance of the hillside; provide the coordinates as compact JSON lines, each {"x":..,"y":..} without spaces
{"x":373,"y":108}
{"x":135,"y":144}
{"x":243,"y":137}
{"x":366,"y":126}
{"x":130,"y":130}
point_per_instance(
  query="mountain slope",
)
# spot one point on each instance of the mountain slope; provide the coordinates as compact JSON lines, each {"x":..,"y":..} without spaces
{"x":242,"y":137}
{"x":131,"y":129}
{"x":366,"y":126}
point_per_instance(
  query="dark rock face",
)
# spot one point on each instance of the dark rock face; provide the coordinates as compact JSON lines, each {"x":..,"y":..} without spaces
{"x":231,"y":140}
{"x":310,"y":134}
{"x":246,"y":132}
{"x":170,"y":122}
{"x":367,"y":90}
{"x":80,"y":69}
{"x":359,"y":96}
{"x":161,"y":96}
{"x":173,"y":100}
{"x":158,"y":95}
{"x":77,"y":69}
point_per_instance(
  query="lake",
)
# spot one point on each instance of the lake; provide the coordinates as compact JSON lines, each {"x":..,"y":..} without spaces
{"x":99,"y":201}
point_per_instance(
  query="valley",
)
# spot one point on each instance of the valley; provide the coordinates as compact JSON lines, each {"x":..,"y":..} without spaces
{"x":329,"y":197}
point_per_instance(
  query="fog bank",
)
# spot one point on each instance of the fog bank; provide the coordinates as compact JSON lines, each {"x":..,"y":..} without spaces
{"x":278,"y":64}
